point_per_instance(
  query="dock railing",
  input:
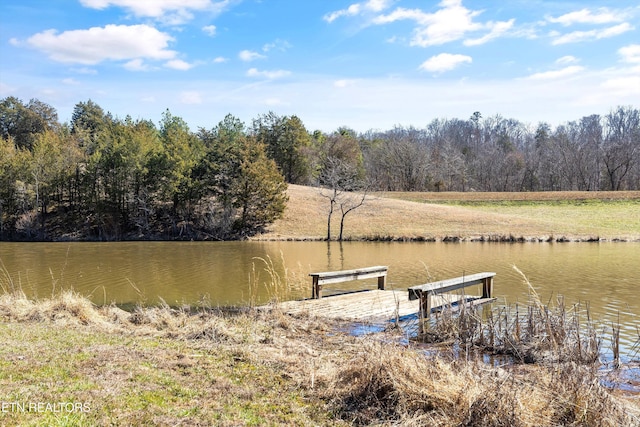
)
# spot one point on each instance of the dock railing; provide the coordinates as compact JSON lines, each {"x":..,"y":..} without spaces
{"x":425,"y":292}
{"x":329,"y":277}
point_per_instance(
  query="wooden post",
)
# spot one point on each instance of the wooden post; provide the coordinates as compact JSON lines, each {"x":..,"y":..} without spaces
{"x":487,"y":287}
{"x":382,"y":280}
{"x":316,"y":288}
{"x":425,"y":311}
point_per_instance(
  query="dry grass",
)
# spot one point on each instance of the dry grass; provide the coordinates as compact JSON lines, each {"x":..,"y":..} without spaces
{"x":544,"y":334}
{"x":203,"y":366}
{"x":438,"y":216}
{"x":400,"y":386}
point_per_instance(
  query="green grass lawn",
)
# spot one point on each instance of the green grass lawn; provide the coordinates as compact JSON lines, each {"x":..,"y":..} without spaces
{"x":142,"y":381}
{"x":597,"y":217}
{"x":604,"y":213}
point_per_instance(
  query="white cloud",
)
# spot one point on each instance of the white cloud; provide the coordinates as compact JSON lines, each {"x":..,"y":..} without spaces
{"x":174,"y":12}
{"x":372,"y":103}
{"x":377,"y":5}
{"x":627,"y":85}
{"x":97,"y":44}
{"x":451,"y":22}
{"x":219,"y":60}
{"x":178,"y":64}
{"x":249,"y":55}
{"x":210,"y":30}
{"x":444,"y":62}
{"x":568,"y":59}
{"x":352,"y":10}
{"x":136,"y":65}
{"x":557,"y":74}
{"x":382,"y":103}
{"x":374,"y":6}
{"x":497,"y":29}
{"x":272,"y":74}
{"x":630,"y":54}
{"x":581,"y":36}
{"x":281,"y":45}
{"x":586,"y":16}
{"x":343,"y":83}
{"x":444,"y":26}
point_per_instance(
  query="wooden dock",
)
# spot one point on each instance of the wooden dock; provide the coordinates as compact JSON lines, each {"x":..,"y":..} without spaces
{"x":380,"y":306}
{"x":374,"y":306}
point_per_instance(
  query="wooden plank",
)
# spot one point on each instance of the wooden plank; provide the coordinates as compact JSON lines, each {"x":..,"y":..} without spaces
{"x":377,"y":268}
{"x":374,"y":305}
{"x":474,"y":302}
{"x":449,"y":284}
{"x":365,"y":306}
{"x":329,"y":277}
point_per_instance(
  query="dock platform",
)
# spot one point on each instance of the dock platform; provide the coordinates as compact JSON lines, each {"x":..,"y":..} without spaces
{"x":374,"y":306}
{"x":381,"y":306}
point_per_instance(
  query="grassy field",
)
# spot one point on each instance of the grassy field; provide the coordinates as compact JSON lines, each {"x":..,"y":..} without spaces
{"x":467,"y":216}
{"x":65,"y":362}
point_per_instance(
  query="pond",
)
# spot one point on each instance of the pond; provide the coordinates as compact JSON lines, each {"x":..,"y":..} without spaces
{"x":606,"y":276}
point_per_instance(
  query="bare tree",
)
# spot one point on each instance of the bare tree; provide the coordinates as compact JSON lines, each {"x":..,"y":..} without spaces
{"x":343,"y":187}
{"x":348,"y":203}
{"x":399,"y":161}
{"x":621,"y":151}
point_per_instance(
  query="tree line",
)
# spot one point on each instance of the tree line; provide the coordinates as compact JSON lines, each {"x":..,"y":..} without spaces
{"x":102,"y":177}
{"x":499,"y":154}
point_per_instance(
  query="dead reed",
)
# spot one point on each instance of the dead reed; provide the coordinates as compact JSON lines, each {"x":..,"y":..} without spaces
{"x":7,"y":283}
{"x":274,"y":280}
{"x":534,"y":333}
{"x":391,"y":385}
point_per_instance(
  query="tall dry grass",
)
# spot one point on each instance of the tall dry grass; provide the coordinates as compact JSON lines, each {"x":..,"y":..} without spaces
{"x":275,"y":280}
{"x":7,"y":284}
{"x":534,"y":333}
{"x":391,"y":385}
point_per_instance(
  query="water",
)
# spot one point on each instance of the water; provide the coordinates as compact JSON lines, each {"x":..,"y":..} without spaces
{"x":604,"y":275}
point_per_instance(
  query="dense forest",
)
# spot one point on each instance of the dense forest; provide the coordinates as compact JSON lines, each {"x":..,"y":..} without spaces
{"x":102,"y":177}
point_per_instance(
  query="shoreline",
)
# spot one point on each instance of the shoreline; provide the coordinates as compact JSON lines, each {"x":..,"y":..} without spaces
{"x":490,"y":238}
{"x":455,"y":239}
{"x":425,"y":217}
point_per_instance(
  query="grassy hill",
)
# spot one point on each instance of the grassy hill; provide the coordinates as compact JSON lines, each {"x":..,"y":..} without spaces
{"x":466,"y":216}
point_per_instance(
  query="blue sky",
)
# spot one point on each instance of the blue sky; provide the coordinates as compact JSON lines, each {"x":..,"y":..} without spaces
{"x":367,"y":65}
